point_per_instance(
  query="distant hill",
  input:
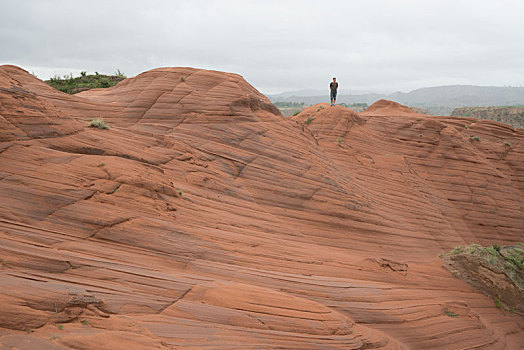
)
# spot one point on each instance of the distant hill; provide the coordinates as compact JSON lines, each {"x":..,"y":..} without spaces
{"x":439,"y":100}
{"x":311,"y":100}
{"x":293,"y":108}
{"x":512,"y":115}
{"x":297,"y":93}
{"x":311,"y":92}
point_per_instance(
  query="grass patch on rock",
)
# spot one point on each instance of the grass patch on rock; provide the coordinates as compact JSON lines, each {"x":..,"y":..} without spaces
{"x":509,"y":259}
{"x":498,"y":271}
{"x":98,"y":123}
{"x":309,"y":120}
{"x":450,"y":313}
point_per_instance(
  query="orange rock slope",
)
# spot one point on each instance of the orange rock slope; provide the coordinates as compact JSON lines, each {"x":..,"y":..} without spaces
{"x":204,"y":219}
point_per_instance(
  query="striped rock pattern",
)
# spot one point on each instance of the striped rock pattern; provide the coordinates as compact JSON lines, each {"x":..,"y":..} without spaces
{"x":204,"y":219}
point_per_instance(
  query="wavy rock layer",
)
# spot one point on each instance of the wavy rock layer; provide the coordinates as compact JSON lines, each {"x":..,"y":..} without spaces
{"x":205,"y":219}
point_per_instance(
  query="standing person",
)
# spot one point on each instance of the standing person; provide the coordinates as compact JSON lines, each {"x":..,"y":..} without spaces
{"x":333,"y":87}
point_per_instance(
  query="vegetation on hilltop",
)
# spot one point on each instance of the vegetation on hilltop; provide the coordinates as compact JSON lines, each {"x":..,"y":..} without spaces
{"x":73,"y":85}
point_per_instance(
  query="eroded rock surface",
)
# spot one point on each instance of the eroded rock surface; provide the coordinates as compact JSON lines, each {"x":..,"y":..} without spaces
{"x":498,"y":273}
{"x":204,"y":219}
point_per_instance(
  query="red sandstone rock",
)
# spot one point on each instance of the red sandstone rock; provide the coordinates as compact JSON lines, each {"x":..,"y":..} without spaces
{"x":389,"y":108}
{"x":204,"y":219}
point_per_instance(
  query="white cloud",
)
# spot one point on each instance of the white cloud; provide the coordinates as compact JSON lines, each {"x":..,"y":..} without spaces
{"x":275,"y":45}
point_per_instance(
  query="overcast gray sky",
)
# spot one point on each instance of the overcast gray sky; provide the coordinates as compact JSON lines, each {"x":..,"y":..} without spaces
{"x":374,"y":45}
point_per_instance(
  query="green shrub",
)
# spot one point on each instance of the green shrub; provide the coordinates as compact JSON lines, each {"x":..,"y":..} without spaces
{"x":515,"y":256}
{"x":296,"y":113}
{"x":98,"y":123}
{"x":120,"y":74}
{"x":474,"y":138}
{"x":465,"y":249}
{"x":450,"y":313}
{"x":339,"y":140}
{"x":182,"y":79}
{"x":320,"y":108}
{"x":309,"y":120}
{"x":73,"y":85}
{"x":492,"y":250}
